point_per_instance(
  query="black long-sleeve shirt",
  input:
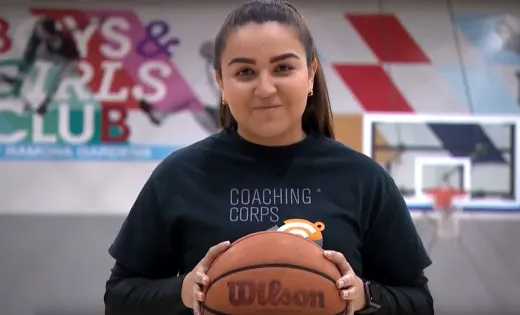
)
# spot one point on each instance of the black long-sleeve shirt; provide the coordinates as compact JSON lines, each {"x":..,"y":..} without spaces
{"x":224,"y":187}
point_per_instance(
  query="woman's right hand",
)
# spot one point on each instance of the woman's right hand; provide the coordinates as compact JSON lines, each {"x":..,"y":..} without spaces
{"x":194,"y":282}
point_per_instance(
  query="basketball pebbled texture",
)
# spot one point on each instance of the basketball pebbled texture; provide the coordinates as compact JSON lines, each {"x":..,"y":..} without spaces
{"x":273,"y":273}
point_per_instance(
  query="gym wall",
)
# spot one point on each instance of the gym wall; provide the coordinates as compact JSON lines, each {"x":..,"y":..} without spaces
{"x":400,"y":57}
{"x":65,"y":191}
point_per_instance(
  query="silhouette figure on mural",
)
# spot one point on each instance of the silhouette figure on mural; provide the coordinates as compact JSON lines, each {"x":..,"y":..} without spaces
{"x":518,"y":81}
{"x":508,"y":29}
{"x":49,"y":44}
{"x":512,"y":44}
{"x":207,"y":115}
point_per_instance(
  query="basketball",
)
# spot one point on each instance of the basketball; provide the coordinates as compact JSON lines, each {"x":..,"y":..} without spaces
{"x":273,"y":273}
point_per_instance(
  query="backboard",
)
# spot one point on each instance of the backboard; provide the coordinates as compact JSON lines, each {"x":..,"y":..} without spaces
{"x":477,"y":154}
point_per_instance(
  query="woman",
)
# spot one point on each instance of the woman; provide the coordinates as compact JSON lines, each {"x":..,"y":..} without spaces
{"x":274,"y":162}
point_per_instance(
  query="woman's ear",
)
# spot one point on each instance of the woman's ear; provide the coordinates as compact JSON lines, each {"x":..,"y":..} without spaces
{"x":312,"y":73}
{"x":218,"y":78}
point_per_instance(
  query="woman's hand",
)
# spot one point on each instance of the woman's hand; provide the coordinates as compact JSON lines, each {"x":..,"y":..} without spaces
{"x":196,"y":280}
{"x":350,"y":285}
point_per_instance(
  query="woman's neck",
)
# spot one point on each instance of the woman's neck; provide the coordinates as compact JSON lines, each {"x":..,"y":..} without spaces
{"x":290,"y":137}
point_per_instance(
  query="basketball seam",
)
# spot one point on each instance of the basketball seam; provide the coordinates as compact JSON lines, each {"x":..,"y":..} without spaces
{"x":257,"y":233}
{"x":215,"y":312}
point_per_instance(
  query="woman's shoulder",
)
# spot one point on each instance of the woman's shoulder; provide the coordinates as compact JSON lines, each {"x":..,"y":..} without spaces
{"x":348,"y":155}
{"x":351,"y":165}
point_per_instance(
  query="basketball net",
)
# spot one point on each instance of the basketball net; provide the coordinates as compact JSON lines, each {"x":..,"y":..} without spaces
{"x":446,"y":212}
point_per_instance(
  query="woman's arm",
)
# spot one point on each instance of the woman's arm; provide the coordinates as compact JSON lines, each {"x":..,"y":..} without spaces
{"x":414,"y":298}
{"x":393,"y":255}
{"x":144,"y":279}
{"x":129,"y":293}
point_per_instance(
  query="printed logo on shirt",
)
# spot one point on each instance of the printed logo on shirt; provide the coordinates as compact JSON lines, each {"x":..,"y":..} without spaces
{"x":304,"y":228}
{"x":263,"y":204}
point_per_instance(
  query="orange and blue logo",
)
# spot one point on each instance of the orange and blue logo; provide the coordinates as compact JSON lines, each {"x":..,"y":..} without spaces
{"x":304,"y":228}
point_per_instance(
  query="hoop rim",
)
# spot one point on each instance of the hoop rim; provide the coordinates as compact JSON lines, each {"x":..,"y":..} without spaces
{"x":443,"y":197}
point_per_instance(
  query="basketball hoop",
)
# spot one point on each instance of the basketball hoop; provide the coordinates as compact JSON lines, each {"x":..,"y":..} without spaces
{"x":446,"y":212}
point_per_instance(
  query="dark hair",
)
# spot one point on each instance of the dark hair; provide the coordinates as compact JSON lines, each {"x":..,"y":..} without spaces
{"x":49,"y":25}
{"x":317,"y":117}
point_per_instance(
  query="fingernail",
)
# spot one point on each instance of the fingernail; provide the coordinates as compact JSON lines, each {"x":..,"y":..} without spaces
{"x":199,"y":296}
{"x":205,"y":281}
{"x":328,"y":253}
{"x":345,"y":294}
{"x":227,"y":242}
{"x":340,"y":284}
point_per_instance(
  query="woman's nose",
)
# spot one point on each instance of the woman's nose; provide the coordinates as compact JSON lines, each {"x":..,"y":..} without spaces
{"x":265,"y":85}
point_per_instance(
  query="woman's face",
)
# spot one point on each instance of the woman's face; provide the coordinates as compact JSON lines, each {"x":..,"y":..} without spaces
{"x":265,"y":80}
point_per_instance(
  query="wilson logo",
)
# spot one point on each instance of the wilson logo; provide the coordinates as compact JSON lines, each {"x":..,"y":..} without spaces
{"x":243,"y":293}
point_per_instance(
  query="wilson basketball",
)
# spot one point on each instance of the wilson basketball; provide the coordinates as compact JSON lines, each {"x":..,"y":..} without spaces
{"x":273,"y":273}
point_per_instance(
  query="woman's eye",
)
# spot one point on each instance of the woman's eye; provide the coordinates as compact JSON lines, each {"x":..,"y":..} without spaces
{"x":244,"y":72}
{"x":284,"y":68}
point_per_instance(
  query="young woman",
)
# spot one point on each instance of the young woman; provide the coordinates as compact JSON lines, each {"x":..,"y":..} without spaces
{"x":274,"y":163}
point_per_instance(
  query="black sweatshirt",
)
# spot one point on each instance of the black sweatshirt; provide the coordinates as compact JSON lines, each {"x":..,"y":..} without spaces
{"x":224,"y":187}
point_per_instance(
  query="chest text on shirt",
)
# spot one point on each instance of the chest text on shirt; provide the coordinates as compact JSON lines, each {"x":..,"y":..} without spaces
{"x":262,"y":204}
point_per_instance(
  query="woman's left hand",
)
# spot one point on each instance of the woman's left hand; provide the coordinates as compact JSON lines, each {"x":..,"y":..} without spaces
{"x":350,"y":285}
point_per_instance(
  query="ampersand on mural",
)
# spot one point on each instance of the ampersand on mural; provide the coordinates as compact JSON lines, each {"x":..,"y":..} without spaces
{"x":153,"y":45}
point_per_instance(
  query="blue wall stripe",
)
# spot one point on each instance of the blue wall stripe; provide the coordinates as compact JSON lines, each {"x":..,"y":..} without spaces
{"x":487,"y":93}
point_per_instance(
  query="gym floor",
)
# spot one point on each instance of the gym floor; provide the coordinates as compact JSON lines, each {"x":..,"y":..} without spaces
{"x":54,"y":265}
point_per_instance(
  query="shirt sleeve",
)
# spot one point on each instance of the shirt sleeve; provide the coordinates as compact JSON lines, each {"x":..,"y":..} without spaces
{"x":144,"y":250}
{"x":394,"y":255}
{"x":411,"y":299}
{"x":129,"y":293}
